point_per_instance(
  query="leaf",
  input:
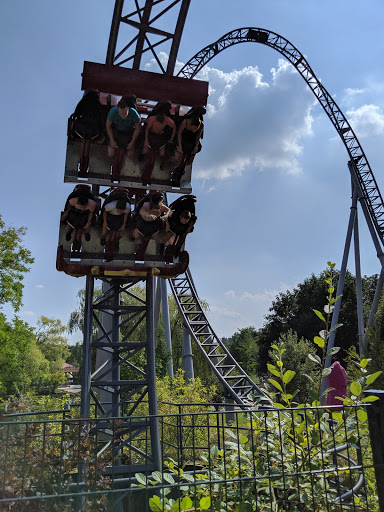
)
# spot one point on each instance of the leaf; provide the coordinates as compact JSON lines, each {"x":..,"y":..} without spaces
{"x":335,"y":327}
{"x":276,"y":384}
{"x":288,"y":376}
{"x":362,"y":415}
{"x":205,"y":503}
{"x":337,"y":416}
{"x":356,"y":388}
{"x":363,"y":363}
{"x":319,"y":341}
{"x":314,"y":358}
{"x":326,"y":372}
{"x":142,"y":479}
{"x":243,"y":439}
{"x":155,"y":504}
{"x":272,"y":369}
{"x":332,"y":351}
{"x":319,"y":314}
{"x":309,"y":378}
{"x":157,"y":476}
{"x":186,"y":503}
{"x":370,"y":398}
{"x":371,"y":378}
{"x":169,"y":478}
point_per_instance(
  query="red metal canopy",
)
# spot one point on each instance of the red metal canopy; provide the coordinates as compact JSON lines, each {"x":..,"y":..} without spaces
{"x":145,"y":84}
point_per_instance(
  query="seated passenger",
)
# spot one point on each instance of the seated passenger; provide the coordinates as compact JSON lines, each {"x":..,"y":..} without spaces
{"x":188,"y":141}
{"x":123,"y":127}
{"x":149,"y":219}
{"x":115,"y":217}
{"x":160,"y":129}
{"x":190,"y":132}
{"x":88,"y":117}
{"x":178,"y":224}
{"x":78,"y":215}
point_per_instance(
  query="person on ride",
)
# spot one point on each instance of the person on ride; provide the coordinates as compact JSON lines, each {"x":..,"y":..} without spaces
{"x":115,"y":218}
{"x":177,"y":225}
{"x":123,"y":127}
{"x":189,"y":134}
{"x":160,"y":129}
{"x":151,"y":217}
{"x":79,"y":214}
{"x":88,"y":120}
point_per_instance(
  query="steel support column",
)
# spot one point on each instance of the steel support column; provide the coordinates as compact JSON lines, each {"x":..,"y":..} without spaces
{"x":340,"y":284}
{"x":167,"y":324}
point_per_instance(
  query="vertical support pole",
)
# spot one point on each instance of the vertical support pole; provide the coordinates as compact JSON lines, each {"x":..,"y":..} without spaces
{"x":376,"y":433}
{"x":114,"y":32}
{"x":151,"y":374}
{"x":87,"y":357}
{"x":340,"y":285}
{"x":187,"y":356}
{"x":115,"y":335}
{"x":166,"y":323}
{"x":103,"y":356}
{"x":359,"y":287}
{"x":376,"y":298}
{"x":157,"y":302}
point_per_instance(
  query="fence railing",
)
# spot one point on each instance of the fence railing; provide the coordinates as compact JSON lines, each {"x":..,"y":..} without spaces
{"x":299,"y":459}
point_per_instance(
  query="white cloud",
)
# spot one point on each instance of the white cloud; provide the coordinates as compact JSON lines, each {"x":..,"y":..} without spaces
{"x":252,"y":121}
{"x":366,"y":120}
{"x":265,"y":131}
{"x":242,"y":309}
{"x":28,"y":313}
{"x":353,"y":92}
{"x":39,"y":286}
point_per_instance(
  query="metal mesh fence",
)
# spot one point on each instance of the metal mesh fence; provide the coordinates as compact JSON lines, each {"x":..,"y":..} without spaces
{"x":302,"y":459}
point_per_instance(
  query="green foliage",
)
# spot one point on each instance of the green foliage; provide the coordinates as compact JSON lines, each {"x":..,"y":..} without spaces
{"x":54,"y":346}
{"x":295,"y":356}
{"x":31,"y":362}
{"x":22,"y":364}
{"x":14,"y":264}
{"x":42,"y":459}
{"x":280,"y":463}
{"x":245,"y":349}
{"x":292,"y":310}
{"x":375,"y":344}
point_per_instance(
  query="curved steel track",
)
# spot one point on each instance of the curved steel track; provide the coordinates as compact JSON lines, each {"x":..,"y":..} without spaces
{"x":233,"y":378}
{"x":360,"y":166}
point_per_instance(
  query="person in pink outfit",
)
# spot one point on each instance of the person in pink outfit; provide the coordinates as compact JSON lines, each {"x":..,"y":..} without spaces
{"x":338,"y":380}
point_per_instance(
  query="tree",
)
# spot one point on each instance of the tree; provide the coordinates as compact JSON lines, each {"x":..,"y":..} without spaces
{"x":293,"y":310}
{"x":245,"y":349}
{"x":54,"y":346}
{"x":22,"y":364}
{"x":296,"y":358}
{"x":14,"y":261}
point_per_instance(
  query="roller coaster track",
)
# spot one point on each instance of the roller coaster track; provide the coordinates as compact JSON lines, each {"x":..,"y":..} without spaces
{"x":361,"y":170}
{"x":232,"y":377}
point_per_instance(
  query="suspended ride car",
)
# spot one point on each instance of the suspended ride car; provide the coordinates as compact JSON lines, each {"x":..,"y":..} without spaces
{"x":84,"y":250}
{"x":154,"y":167}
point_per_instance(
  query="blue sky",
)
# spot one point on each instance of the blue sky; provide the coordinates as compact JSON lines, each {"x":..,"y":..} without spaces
{"x":272,"y":182}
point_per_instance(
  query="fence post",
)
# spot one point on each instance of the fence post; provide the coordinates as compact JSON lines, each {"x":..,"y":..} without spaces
{"x":376,"y":433}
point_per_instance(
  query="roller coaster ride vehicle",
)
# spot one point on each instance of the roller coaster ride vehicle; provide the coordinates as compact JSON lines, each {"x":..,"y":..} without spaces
{"x":139,"y":257}
{"x":87,"y":160}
